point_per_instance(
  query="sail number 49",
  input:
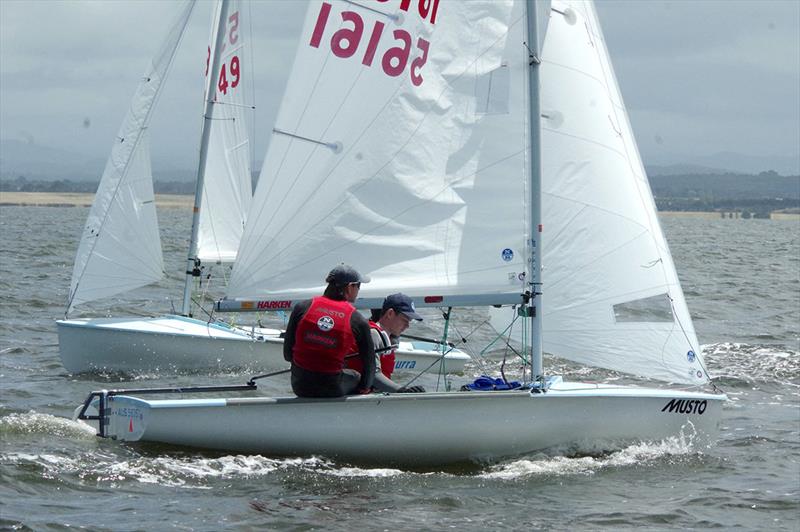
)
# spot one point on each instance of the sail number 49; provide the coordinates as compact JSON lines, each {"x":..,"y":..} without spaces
{"x":346,"y":40}
{"x":233,"y":67}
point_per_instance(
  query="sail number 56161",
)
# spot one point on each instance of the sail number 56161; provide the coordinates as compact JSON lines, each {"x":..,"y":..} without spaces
{"x":346,"y":41}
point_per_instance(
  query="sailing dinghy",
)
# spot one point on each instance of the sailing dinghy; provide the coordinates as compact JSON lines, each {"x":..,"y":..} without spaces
{"x":120,"y":247}
{"x":410,"y":143}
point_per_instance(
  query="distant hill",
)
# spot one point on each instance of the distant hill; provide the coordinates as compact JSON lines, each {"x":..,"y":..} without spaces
{"x":656,"y":170}
{"x":747,"y":194}
{"x":749,"y":164}
{"x":35,"y":162}
{"x":723,"y":163}
{"x":728,"y":186}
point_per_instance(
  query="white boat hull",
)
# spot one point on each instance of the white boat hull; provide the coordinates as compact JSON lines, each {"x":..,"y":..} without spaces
{"x":422,"y":429}
{"x":180,"y":344}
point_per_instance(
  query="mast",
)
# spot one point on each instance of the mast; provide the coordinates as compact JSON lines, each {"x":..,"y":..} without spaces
{"x":192,"y":262}
{"x":534,"y":307}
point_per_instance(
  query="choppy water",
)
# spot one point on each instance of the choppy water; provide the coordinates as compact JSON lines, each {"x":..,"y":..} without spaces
{"x":742,"y":282}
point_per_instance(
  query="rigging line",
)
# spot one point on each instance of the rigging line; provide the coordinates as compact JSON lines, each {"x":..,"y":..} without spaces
{"x":300,"y":137}
{"x":467,"y":68}
{"x":231,"y":104}
{"x":210,"y":222}
{"x":286,"y":152}
{"x":137,"y":140}
{"x":688,"y":341}
{"x":254,"y":96}
{"x":418,"y":375}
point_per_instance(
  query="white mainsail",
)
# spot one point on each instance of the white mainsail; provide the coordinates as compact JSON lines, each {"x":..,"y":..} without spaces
{"x":406,"y":158}
{"x":227,"y":187}
{"x":420,"y":180}
{"x":120,"y":247}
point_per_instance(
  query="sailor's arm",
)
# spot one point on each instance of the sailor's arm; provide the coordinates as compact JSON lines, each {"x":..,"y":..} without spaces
{"x":366,"y":351}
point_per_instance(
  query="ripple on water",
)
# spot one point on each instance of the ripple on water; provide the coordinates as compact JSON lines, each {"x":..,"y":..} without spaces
{"x":736,"y":365}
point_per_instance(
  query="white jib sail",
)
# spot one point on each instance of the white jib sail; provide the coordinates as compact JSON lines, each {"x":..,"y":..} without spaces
{"x":612,"y":297}
{"x":400,"y":149}
{"x":227,"y":187}
{"x":120,"y":248}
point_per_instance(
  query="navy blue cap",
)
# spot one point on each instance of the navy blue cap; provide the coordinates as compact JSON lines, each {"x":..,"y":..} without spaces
{"x":401,"y":303}
{"x":344,"y":274}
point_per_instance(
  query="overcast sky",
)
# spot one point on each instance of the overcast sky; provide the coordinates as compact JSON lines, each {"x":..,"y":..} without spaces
{"x":699,"y":77}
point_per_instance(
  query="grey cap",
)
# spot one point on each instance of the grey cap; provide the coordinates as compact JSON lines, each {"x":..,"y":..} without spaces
{"x":344,"y":274}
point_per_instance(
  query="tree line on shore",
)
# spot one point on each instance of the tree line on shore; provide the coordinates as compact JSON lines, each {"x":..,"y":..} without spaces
{"x":751,"y":195}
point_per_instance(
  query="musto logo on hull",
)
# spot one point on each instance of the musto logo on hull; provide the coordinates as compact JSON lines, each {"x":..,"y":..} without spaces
{"x":686,"y":406}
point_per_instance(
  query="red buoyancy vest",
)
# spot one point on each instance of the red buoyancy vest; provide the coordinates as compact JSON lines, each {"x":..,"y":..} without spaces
{"x":324,"y":336}
{"x":387,"y":358}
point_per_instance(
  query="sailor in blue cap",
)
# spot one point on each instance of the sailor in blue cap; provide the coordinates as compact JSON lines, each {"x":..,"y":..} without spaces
{"x":386,"y":326}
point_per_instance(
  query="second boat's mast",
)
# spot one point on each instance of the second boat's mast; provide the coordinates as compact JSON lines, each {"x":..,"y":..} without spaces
{"x":192,"y":269}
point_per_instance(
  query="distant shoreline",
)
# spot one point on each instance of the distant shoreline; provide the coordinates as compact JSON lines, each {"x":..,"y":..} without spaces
{"x":78,"y":199}
{"x":180,"y":201}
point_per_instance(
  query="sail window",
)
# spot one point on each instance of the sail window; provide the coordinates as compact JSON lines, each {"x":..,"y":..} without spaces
{"x":650,"y":309}
{"x":492,"y":91}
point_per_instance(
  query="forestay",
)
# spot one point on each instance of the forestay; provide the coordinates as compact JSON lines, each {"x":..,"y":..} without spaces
{"x":227,"y":187}
{"x":120,"y":247}
{"x":611,"y":294}
{"x":399,"y":148}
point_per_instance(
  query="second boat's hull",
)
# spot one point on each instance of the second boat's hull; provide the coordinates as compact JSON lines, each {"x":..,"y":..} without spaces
{"x":179,"y":344}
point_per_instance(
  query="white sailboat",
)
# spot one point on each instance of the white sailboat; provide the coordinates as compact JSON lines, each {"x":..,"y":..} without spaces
{"x":120,"y":249}
{"x":409,"y":144}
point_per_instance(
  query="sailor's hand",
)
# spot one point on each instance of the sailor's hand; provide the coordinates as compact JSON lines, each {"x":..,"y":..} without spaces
{"x":411,"y":389}
{"x":364,"y":391}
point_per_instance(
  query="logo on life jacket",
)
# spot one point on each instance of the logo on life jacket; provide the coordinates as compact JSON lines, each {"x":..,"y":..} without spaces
{"x":325,"y":323}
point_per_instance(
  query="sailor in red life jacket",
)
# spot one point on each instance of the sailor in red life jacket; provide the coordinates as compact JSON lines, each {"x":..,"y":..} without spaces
{"x":386,"y":326}
{"x":322,"y":331}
